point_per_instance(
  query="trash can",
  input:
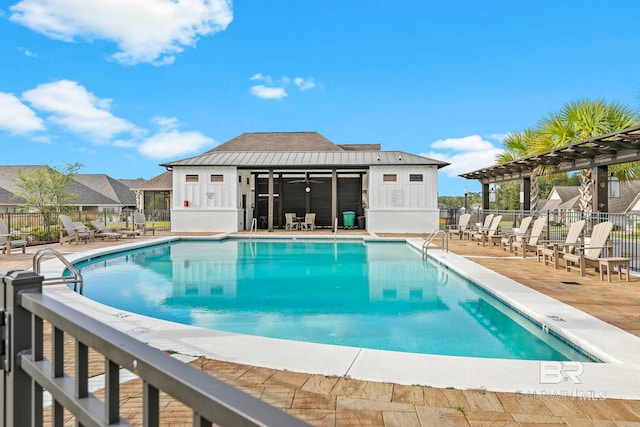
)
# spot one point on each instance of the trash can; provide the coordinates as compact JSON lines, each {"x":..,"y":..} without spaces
{"x":361,"y":222}
{"x":348,"y":218}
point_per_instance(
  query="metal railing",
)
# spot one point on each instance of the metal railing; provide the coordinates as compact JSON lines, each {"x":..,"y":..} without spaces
{"x":45,"y":227}
{"x":431,"y":237}
{"x":26,"y":372}
{"x":75,"y":278}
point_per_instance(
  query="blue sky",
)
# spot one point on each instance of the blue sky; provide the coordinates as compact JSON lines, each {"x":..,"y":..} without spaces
{"x":123,"y":86}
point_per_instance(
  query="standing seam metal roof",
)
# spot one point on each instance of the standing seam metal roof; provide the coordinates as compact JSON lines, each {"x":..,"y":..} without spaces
{"x":306,"y":159}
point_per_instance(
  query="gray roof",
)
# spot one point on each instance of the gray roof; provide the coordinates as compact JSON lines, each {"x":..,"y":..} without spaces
{"x":306,"y":159}
{"x":161,"y":182}
{"x":278,"y":141}
{"x":109,"y":187}
{"x":91,"y":189}
{"x":628,"y":192}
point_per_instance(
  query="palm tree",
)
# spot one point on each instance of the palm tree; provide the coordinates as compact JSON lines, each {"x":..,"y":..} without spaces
{"x":521,"y":144}
{"x":584,"y":119}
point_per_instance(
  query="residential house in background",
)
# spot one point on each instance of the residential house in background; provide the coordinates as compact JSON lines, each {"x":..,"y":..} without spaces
{"x":95,"y":192}
{"x":565,"y":199}
{"x":155,"y":193}
{"x":264,"y":175}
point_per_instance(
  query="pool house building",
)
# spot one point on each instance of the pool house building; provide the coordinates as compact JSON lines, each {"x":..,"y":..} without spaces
{"x":264,"y":175}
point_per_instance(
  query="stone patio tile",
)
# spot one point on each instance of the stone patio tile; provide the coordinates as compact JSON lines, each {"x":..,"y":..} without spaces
{"x":609,"y":409}
{"x":446,"y":398}
{"x":348,"y":387}
{"x":408,"y":394}
{"x":400,"y":419}
{"x":633,"y":406}
{"x":378,"y":391}
{"x":564,"y":408}
{"x":588,"y":422}
{"x":359,"y":419}
{"x":516,"y":403}
{"x":627,"y":424}
{"x":480,"y":400}
{"x":320,"y":384}
{"x":221,"y":370}
{"x":280,"y":397}
{"x":287,"y":378}
{"x":257,"y":375}
{"x":308,"y":400}
{"x":315,"y":417}
{"x":537,"y":419}
{"x":442,"y":417}
{"x":493,"y":416}
{"x":357,"y":404}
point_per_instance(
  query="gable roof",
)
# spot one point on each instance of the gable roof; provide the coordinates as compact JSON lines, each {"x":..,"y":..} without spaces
{"x":163,"y":181}
{"x":109,"y":187}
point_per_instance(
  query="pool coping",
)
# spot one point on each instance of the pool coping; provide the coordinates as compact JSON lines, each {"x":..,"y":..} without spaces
{"x":616,"y":378}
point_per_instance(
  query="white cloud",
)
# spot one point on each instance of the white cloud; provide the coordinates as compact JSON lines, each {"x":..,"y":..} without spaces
{"x":260,"y":77}
{"x":304,"y":84}
{"x":166,"y":123}
{"x":465,"y":154}
{"x":265,"y":92}
{"x":144,"y":30}
{"x":171,"y":144}
{"x":74,"y":108}
{"x":17,"y":118}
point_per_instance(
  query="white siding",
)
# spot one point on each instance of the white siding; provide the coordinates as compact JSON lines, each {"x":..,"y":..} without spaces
{"x":403,"y":206}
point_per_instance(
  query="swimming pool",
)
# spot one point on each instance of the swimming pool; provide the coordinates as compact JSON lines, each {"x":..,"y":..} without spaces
{"x":370,"y":295}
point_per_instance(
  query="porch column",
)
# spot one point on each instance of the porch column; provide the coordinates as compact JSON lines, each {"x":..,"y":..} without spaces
{"x":334,"y":196}
{"x":600,"y":177}
{"x":525,"y":194}
{"x":485,"y":197}
{"x":270,"y":213}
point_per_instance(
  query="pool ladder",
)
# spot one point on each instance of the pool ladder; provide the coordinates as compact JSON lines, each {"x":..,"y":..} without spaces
{"x":75,"y":278}
{"x":431,"y":237}
{"x":254,"y":227}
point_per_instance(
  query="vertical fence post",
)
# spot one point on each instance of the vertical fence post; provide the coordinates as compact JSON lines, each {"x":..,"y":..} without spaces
{"x":15,"y":389}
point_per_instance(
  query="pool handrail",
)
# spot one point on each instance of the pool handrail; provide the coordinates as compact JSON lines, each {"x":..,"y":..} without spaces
{"x":254,"y":226}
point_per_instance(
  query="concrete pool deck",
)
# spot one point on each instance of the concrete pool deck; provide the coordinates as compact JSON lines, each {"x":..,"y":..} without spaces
{"x":407,"y":371}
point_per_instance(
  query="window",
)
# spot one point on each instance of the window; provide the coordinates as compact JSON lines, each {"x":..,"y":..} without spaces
{"x":389,"y":177}
{"x":192,"y":178}
{"x":217,"y":178}
{"x":417,"y":177}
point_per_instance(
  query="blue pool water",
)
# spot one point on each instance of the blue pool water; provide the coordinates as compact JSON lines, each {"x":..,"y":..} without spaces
{"x":371,"y":295}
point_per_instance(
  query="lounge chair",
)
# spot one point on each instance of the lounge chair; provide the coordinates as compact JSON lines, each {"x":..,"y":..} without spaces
{"x":309,"y":222}
{"x":468,"y":234}
{"x":508,"y":238}
{"x":140,"y":223}
{"x":589,"y":254}
{"x":104,"y":233}
{"x":491,"y":233}
{"x":463,"y":225}
{"x":6,"y":241}
{"x":73,"y":233}
{"x":550,"y":251}
{"x":530,"y":242}
{"x":290,"y":222}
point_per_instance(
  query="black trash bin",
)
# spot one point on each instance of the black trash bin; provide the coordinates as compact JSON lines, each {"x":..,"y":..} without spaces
{"x":361,"y":222}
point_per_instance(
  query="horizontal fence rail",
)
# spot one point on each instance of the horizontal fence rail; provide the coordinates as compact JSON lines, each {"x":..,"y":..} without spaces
{"x":27,"y":372}
{"x":624,"y":237}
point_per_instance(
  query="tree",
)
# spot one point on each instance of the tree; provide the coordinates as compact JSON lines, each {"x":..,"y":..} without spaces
{"x":46,"y":189}
{"x":581,"y":120}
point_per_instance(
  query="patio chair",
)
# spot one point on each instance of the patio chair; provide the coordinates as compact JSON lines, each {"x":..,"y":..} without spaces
{"x":6,"y":241}
{"x":290,"y":222}
{"x":140,"y":223}
{"x":589,"y":254}
{"x":516,"y":235}
{"x":461,"y":227}
{"x":530,"y":242}
{"x":73,"y":233}
{"x":550,"y":251}
{"x":104,"y":233}
{"x":468,"y":234}
{"x":309,"y":222}
{"x":491,"y":233}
